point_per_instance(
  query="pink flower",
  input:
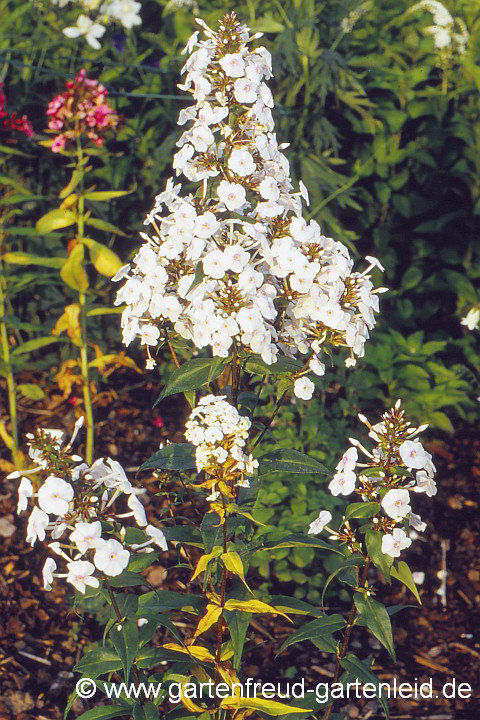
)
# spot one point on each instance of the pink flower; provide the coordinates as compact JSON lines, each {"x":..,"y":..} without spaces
{"x":58,"y":143}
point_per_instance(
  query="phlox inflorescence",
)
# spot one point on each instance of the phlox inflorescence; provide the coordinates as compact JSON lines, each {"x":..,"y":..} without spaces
{"x":398,"y":466}
{"x":220,"y":434}
{"x":236,"y":266}
{"x":75,"y":507}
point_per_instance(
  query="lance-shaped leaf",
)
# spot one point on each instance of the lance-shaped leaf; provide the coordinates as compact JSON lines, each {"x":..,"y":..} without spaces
{"x":350,"y":562}
{"x":402,"y":572}
{"x":233,"y":563}
{"x":106,"y":712}
{"x":383,"y":562}
{"x":55,"y":220}
{"x":195,"y":651}
{"x":293,"y":606}
{"x":73,"y":271}
{"x":161,"y":601}
{"x":125,"y":640}
{"x":105,"y":261}
{"x":289,"y":460}
{"x":319,"y":629}
{"x":253,"y":606}
{"x":376,"y":618}
{"x":99,"y":661}
{"x":101,"y":195}
{"x":23,"y":258}
{"x":77,"y":175}
{"x":177,"y":456}
{"x":300,"y":540}
{"x":192,"y":375}
{"x":204,"y":561}
{"x":270,"y":707}
{"x":358,"y":669}
{"x":362,"y":510}
{"x":255,"y":365}
{"x":104,"y":225}
{"x":36,"y":344}
{"x":211,"y":616}
{"x":30,"y":391}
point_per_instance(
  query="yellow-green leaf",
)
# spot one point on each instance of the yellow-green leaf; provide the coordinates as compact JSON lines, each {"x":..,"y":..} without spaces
{"x":55,"y":220}
{"x":76,"y":178}
{"x":107,"y":194}
{"x":271,"y":707}
{"x":402,"y":572}
{"x":23,"y":258}
{"x":204,"y":560}
{"x":73,"y":272}
{"x":210,"y":618}
{"x":106,"y":262}
{"x":253,"y":606}
{"x":31,"y":391}
{"x":233,"y":563}
{"x":196,"y":651}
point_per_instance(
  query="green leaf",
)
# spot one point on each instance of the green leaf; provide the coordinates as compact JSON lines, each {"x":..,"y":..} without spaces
{"x":289,"y":460}
{"x":383,"y":562}
{"x":55,"y":220}
{"x":125,"y":640}
{"x":22,"y":258}
{"x":350,"y":562}
{"x":105,"y":712}
{"x":198,"y":277}
{"x":73,"y":270}
{"x":142,"y":561}
{"x":359,"y":670}
{"x":293,"y":606}
{"x":99,"y":661}
{"x":210,"y":530}
{"x":31,"y":391}
{"x":377,"y":620}
{"x":192,"y":375}
{"x":36,"y":344}
{"x":163,"y":600}
{"x":176,"y":456}
{"x":362,"y":510}
{"x":411,"y":278}
{"x":127,"y":579}
{"x":77,"y":176}
{"x":300,"y":540}
{"x":238,"y":623}
{"x":104,"y":225}
{"x":255,"y":366}
{"x":402,"y":572}
{"x":184,"y":534}
{"x":319,"y":629}
{"x":106,"y":194}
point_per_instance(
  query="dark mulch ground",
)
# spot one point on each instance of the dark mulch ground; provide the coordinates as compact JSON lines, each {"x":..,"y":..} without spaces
{"x":41,"y":637}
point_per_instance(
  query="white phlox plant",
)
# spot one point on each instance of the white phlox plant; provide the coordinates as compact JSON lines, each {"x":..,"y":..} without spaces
{"x":236,"y":266}
{"x":395,"y":468}
{"x":74,"y":505}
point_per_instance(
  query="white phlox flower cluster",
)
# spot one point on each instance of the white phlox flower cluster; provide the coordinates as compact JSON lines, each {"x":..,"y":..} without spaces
{"x":236,"y":265}
{"x":220,"y":435}
{"x":74,"y":506}
{"x":443,"y":28}
{"x":385,"y":478}
{"x":124,"y":12}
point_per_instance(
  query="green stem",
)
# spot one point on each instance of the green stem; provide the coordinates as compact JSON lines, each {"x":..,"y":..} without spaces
{"x":87,"y":399}
{"x":12,"y":392}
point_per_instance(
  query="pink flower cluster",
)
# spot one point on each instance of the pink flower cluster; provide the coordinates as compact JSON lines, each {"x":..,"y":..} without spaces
{"x":81,"y":110}
{"x":11,"y":121}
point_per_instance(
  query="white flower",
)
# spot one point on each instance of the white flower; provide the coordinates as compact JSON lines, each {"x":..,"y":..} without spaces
{"x":25,"y":490}
{"x":149,"y":335}
{"x":471,"y":319}
{"x":80,"y":575}
{"x":158,"y":536}
{"x":416,"y":522}
{"x":319,"y":523}
{"x":418,"y":577}
{"x":138,"y":510}
{"x":48,"y":570}
{"x":206,"y":225}
{"x":303,"y":388}
{"x":393,"y":544}
{"x":241,"y":162}
{"x":86,"y":27}
{"x":37,"y":523}
{"x":54,"y":496}
{"x":413,"y":454}
{"x":395,"y":503}
{"x":86,"y":535}
{"x":111,"y":557}
{"x":343,"y":483}
{"x":125,"y":11}
{"x":349,"y":460}
{"x":232,"y":194}
{"x":233,"y":65}
{"x":245,"y":90}
{"x":425,"y":484}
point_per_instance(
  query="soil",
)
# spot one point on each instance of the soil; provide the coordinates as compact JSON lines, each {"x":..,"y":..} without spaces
{"x":42,"y":636}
